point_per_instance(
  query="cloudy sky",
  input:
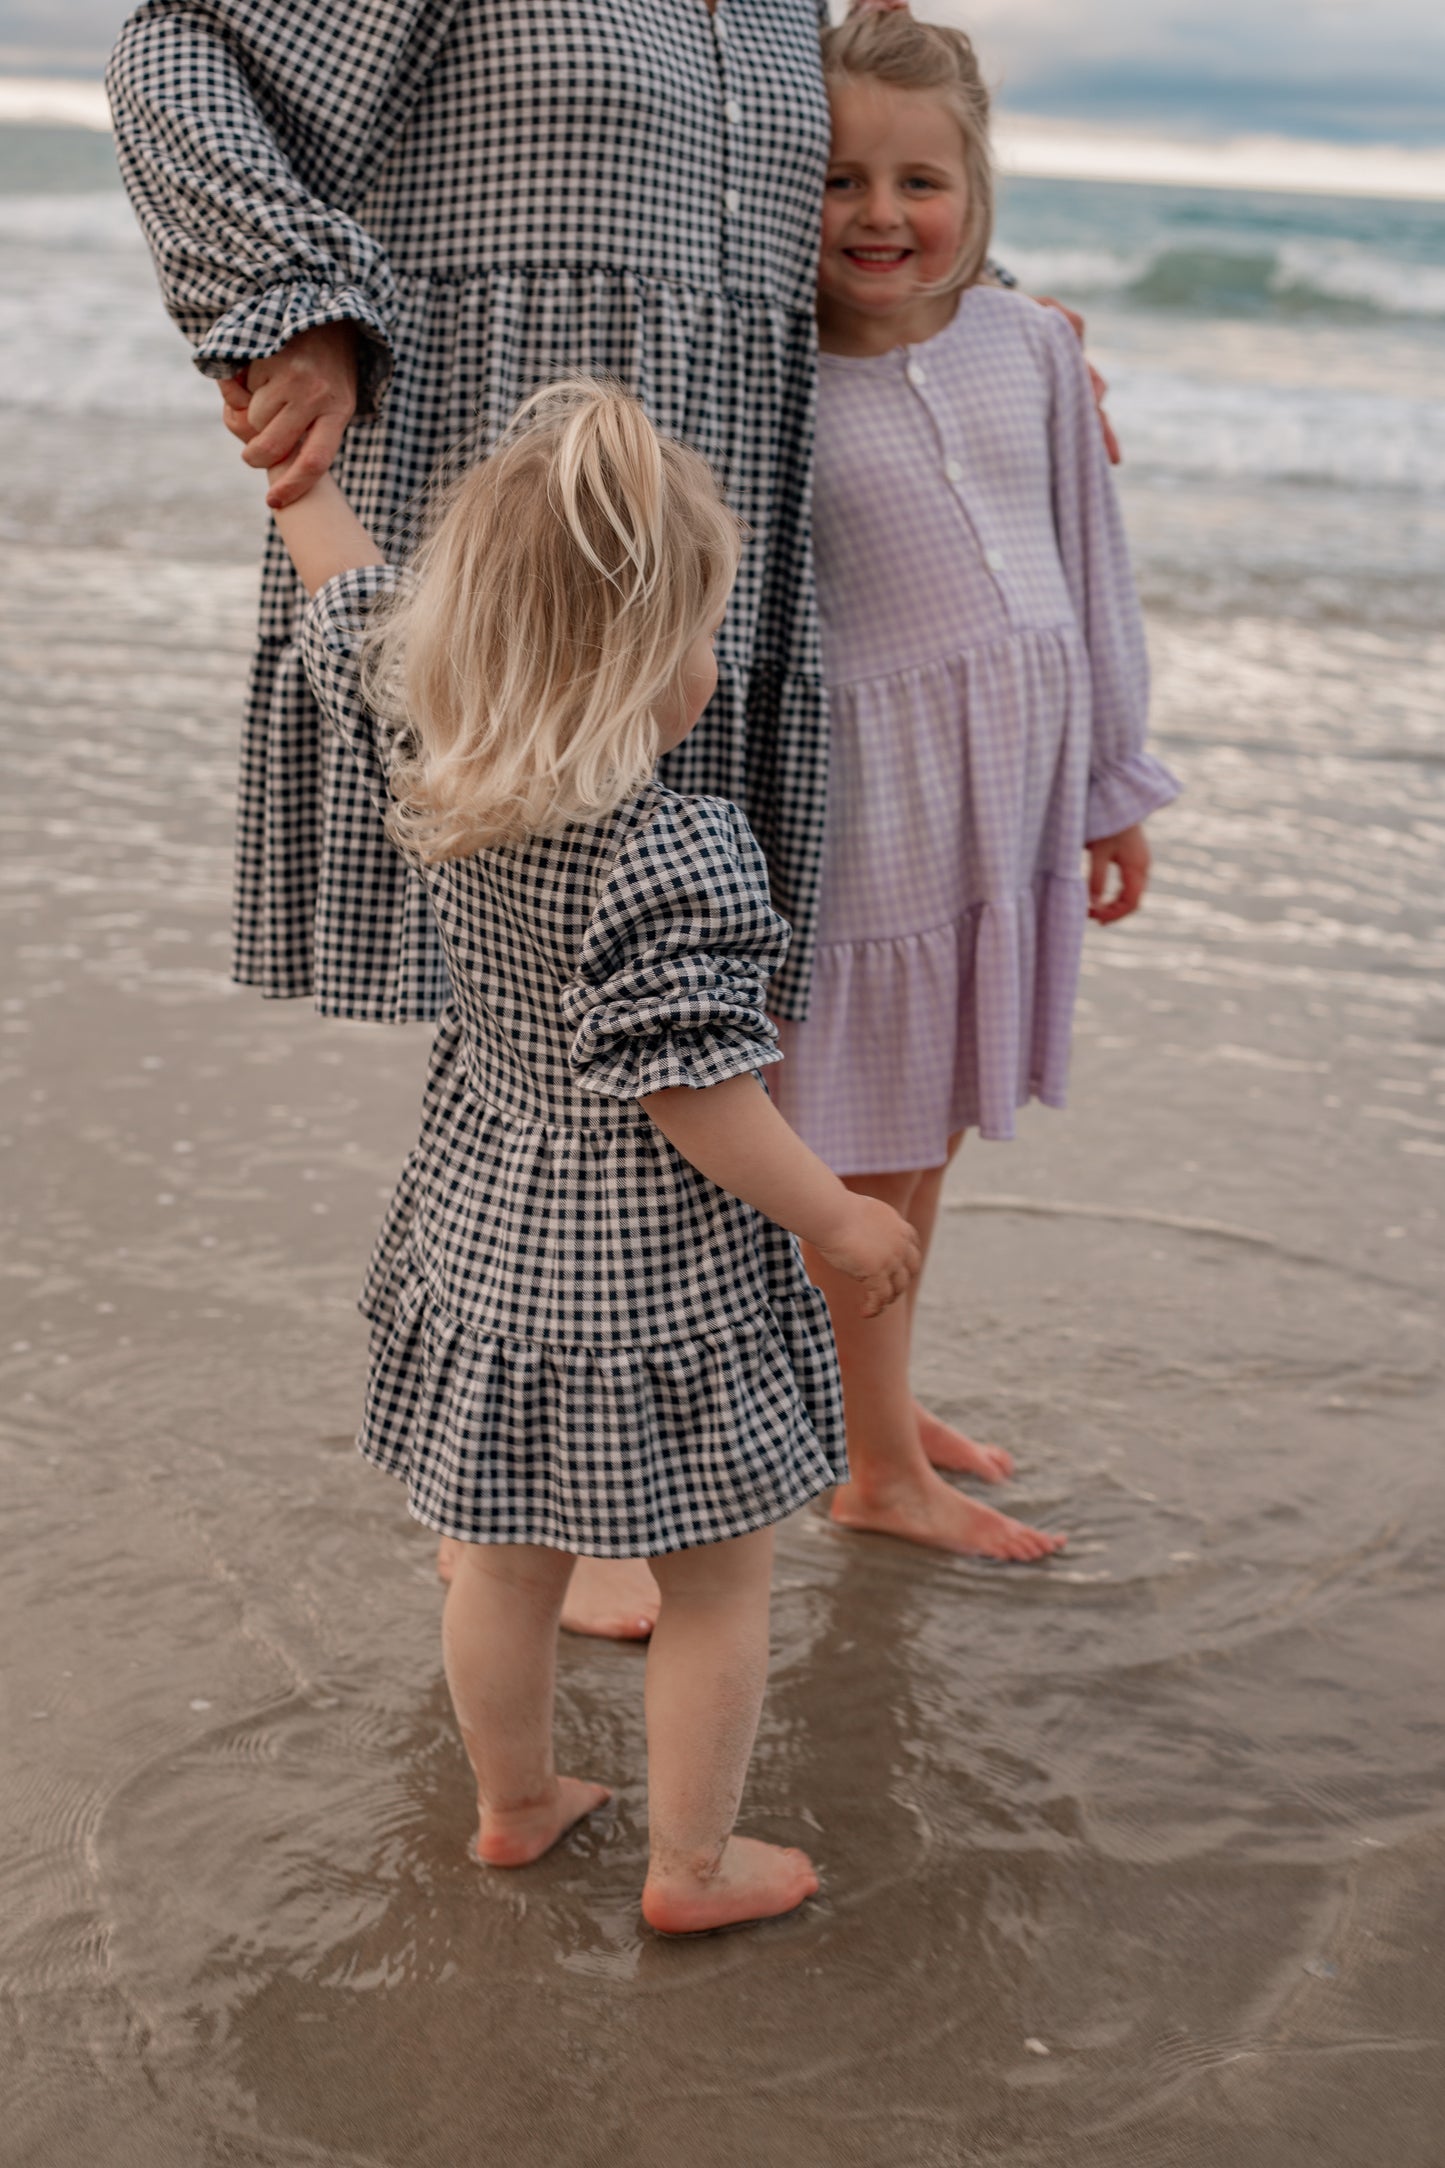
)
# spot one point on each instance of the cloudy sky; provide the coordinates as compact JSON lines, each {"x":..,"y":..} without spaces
{"x":1332,"y":68}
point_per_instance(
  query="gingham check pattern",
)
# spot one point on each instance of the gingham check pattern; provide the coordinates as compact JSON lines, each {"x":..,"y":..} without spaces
{"x":497,"y":193}
{"x":988,"y":683}
{"x":577,"y":1339}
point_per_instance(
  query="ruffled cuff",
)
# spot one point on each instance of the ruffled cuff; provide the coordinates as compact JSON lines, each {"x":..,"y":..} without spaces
{"x":696,"y":1025}
{"x":266,"y":322}
{"x":1129,"y":792}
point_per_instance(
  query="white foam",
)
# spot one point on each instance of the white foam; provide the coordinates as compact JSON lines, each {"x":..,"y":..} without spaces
{"x":1348,"y":272}
{"x":1029,"y":144}
{"x":46,"y":98}
{"x":1178,"y":423}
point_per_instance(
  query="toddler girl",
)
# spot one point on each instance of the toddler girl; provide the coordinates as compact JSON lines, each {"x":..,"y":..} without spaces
{"x":590,"y":1332}
{"x":987,"y":683}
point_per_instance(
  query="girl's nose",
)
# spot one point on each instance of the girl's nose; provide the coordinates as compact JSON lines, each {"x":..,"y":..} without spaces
{"x":879,"y":207}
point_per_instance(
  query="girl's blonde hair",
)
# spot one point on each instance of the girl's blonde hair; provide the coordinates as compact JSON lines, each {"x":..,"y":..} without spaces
{"x":550,"y":611}
{"x":890,"y":46}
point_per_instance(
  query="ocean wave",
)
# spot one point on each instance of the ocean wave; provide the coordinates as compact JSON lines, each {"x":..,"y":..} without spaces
{"x":1292,"y":278}
{"x":1179,"y":424}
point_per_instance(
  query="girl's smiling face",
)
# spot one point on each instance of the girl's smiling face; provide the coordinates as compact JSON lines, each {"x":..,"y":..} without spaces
{"x":895,"y":207}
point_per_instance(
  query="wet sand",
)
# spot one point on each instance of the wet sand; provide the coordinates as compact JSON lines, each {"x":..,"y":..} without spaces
{"x":1136,"y":1860}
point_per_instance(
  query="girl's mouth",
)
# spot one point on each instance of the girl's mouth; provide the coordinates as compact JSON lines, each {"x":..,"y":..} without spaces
{"x":877,"y":259}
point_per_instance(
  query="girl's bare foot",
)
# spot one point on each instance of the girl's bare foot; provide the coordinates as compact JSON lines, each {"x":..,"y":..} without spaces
{"x":614,"y":1598}
{"x":752,"y":1881}
{"x":515,"y":1836}
{"x":949,"y":1448}
{"x":927,"y":1510}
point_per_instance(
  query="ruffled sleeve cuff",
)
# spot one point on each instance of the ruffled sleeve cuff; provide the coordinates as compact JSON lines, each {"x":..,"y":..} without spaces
{"x":268,"y":321}
{"x":673,"y":971}
{"x":1127,"y":792}
{"x":330,"y":640}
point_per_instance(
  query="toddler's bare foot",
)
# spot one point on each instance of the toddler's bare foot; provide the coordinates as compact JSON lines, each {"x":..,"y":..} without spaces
{"x":614,"y":1598}
{"x":515,"y":1836}
{"x":448,"y":1548}
{"x":752,"y":1881}
{"x":949,"y":1448}
{"x":928,"y":1510}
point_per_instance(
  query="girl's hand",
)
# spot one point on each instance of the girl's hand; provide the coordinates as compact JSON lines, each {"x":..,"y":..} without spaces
{"x":876,"y":1246}
{"x":291,"y":409}
{"x":1101,"y":390}
{"x":1129,"y":852}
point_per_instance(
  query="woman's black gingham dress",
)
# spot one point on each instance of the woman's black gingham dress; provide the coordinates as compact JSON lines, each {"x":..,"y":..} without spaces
{"x":498,"y":191}
{"x":577,"y":1339}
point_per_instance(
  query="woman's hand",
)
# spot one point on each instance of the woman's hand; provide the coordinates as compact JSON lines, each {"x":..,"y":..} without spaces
{"x":1101,"y":389}
{"x":877,"y":1247}
{"x":1128,"y":851}
{"x":291,"y":409}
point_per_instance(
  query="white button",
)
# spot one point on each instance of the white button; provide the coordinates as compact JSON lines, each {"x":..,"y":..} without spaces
{"x":732,"y":111}
{"x":995,"y":560}
{"x":732,"y":202}
{"x":720,"y":28}
{"x":954,"y":471}
{"x":916,"y":373}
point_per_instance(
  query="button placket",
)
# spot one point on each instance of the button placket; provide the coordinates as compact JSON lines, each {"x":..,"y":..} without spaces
{"x":732,"y":112}
{"x":953,"y":469}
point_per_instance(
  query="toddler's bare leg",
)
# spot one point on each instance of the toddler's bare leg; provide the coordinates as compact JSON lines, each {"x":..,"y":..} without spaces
{"x":499,"y":1644}
{"x":944,"y":1446}
{"x":893,"y":1490}
{"x":614,"y":1598}
{"x":706,"y":1670}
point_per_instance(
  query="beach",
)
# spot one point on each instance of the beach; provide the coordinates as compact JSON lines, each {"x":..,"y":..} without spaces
{"x":1134,"y":1860}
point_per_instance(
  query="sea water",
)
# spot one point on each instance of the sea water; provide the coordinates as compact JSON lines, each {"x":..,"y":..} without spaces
{"x":1136,"y":1859}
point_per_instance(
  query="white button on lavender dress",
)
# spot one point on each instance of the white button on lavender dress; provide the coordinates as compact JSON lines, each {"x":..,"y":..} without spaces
{"x":988,"y":688}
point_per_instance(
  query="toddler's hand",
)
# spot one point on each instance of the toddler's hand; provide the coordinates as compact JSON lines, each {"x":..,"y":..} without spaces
{"x":876,"y":1246}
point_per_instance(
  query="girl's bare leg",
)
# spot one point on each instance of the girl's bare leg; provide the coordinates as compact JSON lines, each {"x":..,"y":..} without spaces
{"x":944,"y":1446}
{"x":614,"y":1598}
{"x":499,"y":1644}
{"x":706,"y":1670}
{"x":893,"y":1489}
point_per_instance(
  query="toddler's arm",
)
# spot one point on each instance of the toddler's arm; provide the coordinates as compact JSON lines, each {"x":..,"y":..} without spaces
{"x":324,"y":535}
{"x":733,"y":1134}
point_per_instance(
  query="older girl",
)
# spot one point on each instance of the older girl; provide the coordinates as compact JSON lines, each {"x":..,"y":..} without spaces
{"x":987,"y":681}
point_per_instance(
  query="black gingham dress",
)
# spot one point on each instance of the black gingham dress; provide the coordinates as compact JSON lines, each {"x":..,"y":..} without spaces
{"x":498,"y":191}
{"x":577,"y":1339}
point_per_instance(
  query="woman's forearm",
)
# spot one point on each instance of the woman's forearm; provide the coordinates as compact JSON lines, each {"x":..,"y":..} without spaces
{"x":734,"y":1135}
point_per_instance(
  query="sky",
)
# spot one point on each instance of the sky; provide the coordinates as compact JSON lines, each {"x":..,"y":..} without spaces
{"x":1327,"y":69}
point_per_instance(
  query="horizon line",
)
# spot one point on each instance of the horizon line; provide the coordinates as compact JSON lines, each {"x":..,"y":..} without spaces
{"x":1029,"y":146}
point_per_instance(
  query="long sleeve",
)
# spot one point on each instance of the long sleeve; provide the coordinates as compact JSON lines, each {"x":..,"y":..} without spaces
{"x":332,"y":632}
{"x":1126,"y":782}
{"x":244,"y":131}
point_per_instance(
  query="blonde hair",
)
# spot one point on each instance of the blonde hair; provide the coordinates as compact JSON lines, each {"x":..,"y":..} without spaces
{"x":550,"y":610}
{"x":890,"y":46}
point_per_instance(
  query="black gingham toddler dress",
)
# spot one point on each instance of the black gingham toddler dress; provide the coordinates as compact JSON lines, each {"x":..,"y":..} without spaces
{"x":498,"y":192}
{"x":577,"y":1339}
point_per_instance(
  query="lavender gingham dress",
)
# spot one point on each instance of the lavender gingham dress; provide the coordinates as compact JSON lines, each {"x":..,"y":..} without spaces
{"x":988,"y":685}
{"x":577,"y":1339}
